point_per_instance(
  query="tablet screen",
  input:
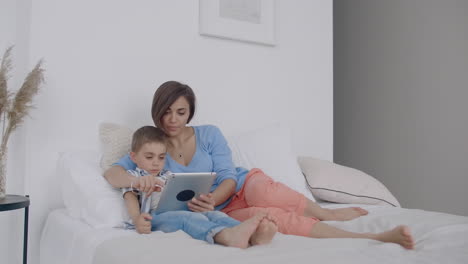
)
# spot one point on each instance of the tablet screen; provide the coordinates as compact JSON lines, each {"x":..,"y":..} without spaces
{"x":181,"y":187}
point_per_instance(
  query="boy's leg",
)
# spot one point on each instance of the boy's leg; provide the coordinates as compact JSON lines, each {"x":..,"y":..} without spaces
{"x":200,"y":227}
{"x":221,"y":218}
{"x":196,"y":225}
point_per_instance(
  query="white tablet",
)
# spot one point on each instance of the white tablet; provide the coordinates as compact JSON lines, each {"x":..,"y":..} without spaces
{"x":181,"y":187}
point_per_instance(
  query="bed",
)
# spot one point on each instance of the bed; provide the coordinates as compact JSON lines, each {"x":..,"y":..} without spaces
{"x":88,"y":229}
{"x":440,"y":238}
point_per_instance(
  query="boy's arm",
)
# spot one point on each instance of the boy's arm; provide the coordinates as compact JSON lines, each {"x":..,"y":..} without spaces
{"x":133,"y":207}
{"x":142,"y":222}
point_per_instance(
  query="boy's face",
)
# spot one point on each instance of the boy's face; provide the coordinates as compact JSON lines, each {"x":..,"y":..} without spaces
{"x":150,"y":157}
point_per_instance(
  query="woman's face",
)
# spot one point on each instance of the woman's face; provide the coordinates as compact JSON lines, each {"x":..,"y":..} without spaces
{"x":176,"y":117}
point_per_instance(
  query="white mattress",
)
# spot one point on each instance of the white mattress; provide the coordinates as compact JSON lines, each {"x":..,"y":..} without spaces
{"x":440,"y":238}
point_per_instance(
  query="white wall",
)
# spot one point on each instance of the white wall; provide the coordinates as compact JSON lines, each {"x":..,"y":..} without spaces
{"x":400,"y":97}
{"x":104,"y":60}
{"x":14,"y":30}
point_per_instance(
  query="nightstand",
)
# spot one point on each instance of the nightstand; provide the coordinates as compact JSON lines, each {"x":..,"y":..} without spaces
{"x":13,"y":202}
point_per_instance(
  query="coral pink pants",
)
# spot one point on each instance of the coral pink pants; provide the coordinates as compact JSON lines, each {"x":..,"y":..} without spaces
{"x":261,"y":193}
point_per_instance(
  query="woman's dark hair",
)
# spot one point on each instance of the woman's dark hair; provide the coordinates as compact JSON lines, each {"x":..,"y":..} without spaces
{"x":166,"y":95}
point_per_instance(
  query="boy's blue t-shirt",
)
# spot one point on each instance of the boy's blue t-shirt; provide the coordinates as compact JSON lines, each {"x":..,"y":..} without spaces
{"x":212,"y":154}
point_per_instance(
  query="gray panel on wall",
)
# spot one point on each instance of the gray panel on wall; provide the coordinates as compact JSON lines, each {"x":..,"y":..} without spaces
{"x":401,"y":97}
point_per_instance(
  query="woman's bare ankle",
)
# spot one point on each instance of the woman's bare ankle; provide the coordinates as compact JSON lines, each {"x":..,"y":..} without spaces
{"x":326,"y":215}
{"x":399,"y":235}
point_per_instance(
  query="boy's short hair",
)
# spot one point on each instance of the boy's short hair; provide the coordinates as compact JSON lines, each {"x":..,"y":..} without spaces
{"x":147,"y":134}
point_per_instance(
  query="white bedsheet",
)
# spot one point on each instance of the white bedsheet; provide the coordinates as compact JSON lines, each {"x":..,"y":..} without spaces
{"x":440,"y":238}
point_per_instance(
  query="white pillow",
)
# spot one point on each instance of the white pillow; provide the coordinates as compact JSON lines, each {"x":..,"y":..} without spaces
{"x":86,"y":194}
{"x":115,"y":143}
{"x":269,"y":149}
{"x":335,"y":183}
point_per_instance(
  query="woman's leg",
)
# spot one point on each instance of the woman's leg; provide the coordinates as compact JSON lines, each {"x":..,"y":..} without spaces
{"x":260,"y":190}
{"x":293,"y":224}
{"x":399,"y":235}
{"x":341,"y":214}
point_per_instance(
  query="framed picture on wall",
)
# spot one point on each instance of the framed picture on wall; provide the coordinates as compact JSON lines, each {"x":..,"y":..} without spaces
{"x":244,"y":20}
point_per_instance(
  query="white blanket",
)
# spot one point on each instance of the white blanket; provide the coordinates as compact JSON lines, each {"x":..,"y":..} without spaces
{"x":440,"y":238}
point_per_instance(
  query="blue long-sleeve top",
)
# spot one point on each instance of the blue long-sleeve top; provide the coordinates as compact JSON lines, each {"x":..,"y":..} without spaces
{"x":212,"y":154}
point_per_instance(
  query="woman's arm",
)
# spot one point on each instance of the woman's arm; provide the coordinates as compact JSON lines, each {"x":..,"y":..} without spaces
{"x":224,"y":191}
{"x":118,"y":177}
{"x":226,"y":179}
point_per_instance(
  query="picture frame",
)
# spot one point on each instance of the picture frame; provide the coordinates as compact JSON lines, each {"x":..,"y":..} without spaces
{"x":243,"y":20}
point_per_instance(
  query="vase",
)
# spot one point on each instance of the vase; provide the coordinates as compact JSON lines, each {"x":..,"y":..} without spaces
{"x":2,"y":174}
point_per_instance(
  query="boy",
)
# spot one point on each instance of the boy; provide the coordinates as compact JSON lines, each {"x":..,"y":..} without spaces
{"x":148,"y":151}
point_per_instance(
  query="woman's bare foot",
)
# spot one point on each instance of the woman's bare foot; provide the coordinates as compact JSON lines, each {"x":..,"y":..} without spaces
{"x":400,"y":235}
{"x":265,"y":232}
{"x":239,"y":236}
{"x":345,"y":214}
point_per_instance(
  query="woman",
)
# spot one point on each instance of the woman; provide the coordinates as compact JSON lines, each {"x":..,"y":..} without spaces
{"x":236,"y":191}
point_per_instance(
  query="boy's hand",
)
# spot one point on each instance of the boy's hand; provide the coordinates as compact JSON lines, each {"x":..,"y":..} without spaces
{"x":143,"y":223}
{"x":148,"y":184}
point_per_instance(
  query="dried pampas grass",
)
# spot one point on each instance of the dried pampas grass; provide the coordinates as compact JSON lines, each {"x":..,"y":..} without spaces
{"x":5,"y":67}
{"x":13,"y":109}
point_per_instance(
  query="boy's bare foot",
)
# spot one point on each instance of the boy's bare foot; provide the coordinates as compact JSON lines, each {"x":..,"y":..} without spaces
{"x":265,"y":232}
{"x":400,"y":235}
{"x":345,"y":214}
{"x":239,"y":236}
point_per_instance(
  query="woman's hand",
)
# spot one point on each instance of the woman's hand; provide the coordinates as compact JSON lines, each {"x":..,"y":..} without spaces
{"x":143,"y":223}
{"x":203,"y":203}
{"x":148,"y":184}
